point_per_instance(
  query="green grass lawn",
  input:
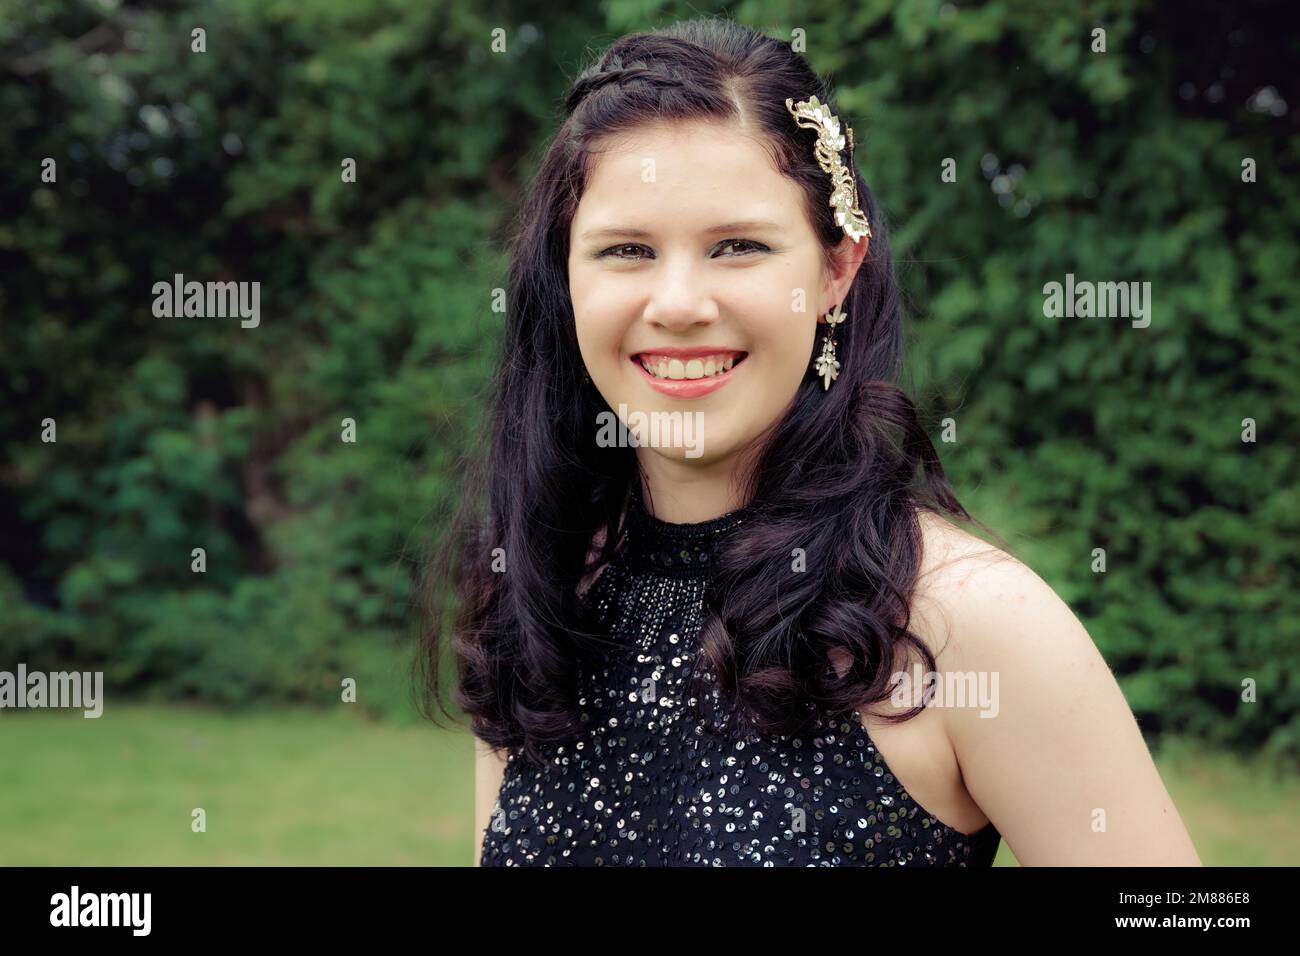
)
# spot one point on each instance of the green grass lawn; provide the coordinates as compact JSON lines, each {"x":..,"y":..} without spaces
{"x":299,"y":786}
{"x":284,"y":787}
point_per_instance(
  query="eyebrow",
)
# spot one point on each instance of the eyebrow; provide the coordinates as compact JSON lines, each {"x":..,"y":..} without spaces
{"x":610,"y":232}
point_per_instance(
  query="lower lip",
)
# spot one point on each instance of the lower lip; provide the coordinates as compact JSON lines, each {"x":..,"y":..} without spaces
{"x":688,"y":387}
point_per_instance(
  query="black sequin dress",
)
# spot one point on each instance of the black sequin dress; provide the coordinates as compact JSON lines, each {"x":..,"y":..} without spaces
{"x":644,"y":785}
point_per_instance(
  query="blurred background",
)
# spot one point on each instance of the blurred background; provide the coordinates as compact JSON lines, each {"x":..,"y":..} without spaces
{"x":223,"y":687}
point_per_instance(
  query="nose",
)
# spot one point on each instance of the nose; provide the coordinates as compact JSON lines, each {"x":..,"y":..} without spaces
{"x":681,"y":298}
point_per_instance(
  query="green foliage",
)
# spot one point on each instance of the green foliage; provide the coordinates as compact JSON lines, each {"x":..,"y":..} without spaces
{"x":1083,"y":433}
{"x":1072,"y":433}
{"x":174,"y":433}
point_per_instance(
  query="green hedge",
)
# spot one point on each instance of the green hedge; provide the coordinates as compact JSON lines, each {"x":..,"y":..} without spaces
{"x":1071,"y":434}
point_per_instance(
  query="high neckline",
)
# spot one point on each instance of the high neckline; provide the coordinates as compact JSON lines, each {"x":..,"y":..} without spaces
{"x":677,"y":548}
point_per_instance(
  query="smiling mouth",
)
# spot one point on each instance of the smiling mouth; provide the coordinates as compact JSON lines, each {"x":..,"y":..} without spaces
{"x":684,"y":369}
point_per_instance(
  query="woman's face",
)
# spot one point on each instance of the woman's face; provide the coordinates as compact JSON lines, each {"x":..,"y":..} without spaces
{"x":689,"y":252}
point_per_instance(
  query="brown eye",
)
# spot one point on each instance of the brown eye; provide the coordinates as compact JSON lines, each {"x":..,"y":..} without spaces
{"x":610,"y":252}
{"x":753,"y":246}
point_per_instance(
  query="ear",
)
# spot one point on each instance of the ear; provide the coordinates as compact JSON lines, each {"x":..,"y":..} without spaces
{"x":846,"y":259}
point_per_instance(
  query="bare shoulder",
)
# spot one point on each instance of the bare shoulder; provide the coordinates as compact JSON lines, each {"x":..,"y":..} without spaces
{"x":980,"y":608}
{"x":1052,"y":754}
{"x":951,"y":555}
{"x":963,"y":579}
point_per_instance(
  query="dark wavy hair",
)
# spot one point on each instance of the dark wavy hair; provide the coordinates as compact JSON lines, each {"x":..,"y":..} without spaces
{"x":842,"y":475}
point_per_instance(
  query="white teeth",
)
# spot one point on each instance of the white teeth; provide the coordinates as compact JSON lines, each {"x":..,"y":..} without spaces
{"x":677,"y":370}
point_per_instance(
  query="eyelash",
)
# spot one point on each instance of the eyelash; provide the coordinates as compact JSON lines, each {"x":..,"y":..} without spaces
{"x":608,"y":253}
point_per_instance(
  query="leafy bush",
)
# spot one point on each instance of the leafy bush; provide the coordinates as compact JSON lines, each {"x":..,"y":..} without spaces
{"x":1071,"y":434}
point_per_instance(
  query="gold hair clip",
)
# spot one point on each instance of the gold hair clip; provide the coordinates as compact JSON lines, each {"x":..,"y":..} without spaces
{"x":813,"y":114}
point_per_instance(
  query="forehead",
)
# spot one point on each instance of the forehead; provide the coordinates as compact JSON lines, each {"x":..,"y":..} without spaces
{"x":682,"y":174}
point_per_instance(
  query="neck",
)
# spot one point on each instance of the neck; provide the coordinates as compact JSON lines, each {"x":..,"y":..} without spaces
{"x":685,"y":493}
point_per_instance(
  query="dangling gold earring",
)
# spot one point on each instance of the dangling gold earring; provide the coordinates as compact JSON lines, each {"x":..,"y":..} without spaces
{"x":828,"y":366}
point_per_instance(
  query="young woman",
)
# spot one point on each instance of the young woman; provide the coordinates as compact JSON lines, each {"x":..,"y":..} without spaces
{"x":751,"y":638}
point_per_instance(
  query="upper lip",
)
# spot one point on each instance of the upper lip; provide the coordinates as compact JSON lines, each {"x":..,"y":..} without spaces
{"x":689,"y":353}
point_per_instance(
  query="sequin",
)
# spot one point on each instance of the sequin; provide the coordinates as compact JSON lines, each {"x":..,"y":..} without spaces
{"x":645,"y":785}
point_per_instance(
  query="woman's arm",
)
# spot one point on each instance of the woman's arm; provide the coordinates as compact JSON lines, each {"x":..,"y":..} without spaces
{"x":1062,"y":769}
{"x":489,"y":770}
